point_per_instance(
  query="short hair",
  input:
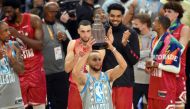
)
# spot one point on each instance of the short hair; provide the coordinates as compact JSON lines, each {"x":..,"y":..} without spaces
{"x":144,"y":18}
{"x":116,"y":6}
{"x":84,"y":23}
{"x":176,"y":6}
{"x":48,"y":4}
{"x":164,"y":21}
{"x":13,"y":3}
{"x":93,"y":51}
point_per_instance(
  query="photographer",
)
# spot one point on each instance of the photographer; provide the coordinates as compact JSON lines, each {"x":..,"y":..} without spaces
{"x":85,"y":11}
{"x":67,"y":16}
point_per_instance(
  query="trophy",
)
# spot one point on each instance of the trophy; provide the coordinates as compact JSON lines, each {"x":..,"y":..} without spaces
{"x":98,"y":33}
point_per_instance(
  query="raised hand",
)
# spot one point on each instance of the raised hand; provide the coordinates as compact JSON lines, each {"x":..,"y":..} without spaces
{"x":110,"y":35}
{"x":109,"y":42}
{"x":14,"y":32}
{"x":89,"y":44}
{"x":61,"y":36}
{"x":87,"y":48}
{"x":64,"y":17}
{"x":125,"y":37}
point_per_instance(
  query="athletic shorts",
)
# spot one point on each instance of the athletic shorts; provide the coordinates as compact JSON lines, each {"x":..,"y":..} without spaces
{"x":181,"y":91}
{"x":74,"y":99}
{"x":33,"y":87}
{"x":161,"y":104}
{"x":122,"y":97}
{"x":167,"y":102}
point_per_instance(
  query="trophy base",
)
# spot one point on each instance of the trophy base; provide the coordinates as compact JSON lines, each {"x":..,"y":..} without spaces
{"x":98,"y":46}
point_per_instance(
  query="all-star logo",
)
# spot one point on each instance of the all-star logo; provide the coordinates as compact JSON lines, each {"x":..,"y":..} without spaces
{"x":182,"y":97}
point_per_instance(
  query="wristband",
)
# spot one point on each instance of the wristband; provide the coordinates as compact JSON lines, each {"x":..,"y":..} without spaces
{"x":114,"y":49}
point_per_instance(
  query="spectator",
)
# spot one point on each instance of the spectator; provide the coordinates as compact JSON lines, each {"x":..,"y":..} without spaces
{"x":98,"y":10}
{"x":54,"y":56}
{"x":85,"y":11}
{"x":142,"y":23}
{"x":68,"y":16}
{"x":37,"y":8}
{"x":151,"y":7}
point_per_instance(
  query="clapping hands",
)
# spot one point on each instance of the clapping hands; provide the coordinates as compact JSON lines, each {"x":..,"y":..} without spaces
{"x":125,"y":37}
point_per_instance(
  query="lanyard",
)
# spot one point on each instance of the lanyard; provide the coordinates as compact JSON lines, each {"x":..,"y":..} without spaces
{"x":51,"y":35}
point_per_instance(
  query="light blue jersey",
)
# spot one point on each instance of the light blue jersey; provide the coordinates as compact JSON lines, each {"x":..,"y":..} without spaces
{"x":10,"y":94}
{"x":96,"y":94}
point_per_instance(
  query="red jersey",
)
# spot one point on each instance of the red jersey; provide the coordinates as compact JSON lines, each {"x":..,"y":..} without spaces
{"x":33,"y":59}
{"x":77,"y":49}
{"x":162,"y":83}
{"x":177,"y":35}
{"x":74,"y":99}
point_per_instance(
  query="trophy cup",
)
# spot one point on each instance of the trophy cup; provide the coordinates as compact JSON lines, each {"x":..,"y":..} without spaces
{"x":98,"y":33}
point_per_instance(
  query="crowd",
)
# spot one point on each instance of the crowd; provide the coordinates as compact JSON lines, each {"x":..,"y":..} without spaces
{"x":47,"y":59}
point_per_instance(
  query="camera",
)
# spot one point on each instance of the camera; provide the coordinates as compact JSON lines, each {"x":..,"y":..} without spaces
{"x":69,"y":6}
{"x":72,"y":13}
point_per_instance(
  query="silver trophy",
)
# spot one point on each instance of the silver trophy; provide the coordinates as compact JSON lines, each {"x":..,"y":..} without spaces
{"x":98,"y":33}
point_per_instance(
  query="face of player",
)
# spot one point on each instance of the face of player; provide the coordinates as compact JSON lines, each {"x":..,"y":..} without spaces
{"x":95,"y":62}
{"x":171,"y":14}
{"x":156,"y":25}
{"x":85,"y":32}
{"x":115,"y":17}
{"x":10,"y":13}
{"x":4,"y":32}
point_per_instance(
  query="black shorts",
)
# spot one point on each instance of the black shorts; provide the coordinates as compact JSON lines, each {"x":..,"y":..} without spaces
{"x":57,"y":90}
{"x":139,"y":90}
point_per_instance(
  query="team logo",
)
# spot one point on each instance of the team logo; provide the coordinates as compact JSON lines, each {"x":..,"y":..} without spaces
{"x":99,"y":95}
{"x":6,"y":76}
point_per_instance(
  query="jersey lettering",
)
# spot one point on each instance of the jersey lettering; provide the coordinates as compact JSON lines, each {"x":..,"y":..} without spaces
{"x":157,"y":73}
{"x":28,"y":53}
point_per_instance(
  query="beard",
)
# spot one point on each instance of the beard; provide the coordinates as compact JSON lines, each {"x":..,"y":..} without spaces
{"x":114,"y":26}
{"x":83,"y":40}
{"x":94,"y":68}
{"x":12,"y":19}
